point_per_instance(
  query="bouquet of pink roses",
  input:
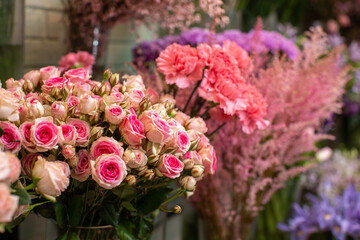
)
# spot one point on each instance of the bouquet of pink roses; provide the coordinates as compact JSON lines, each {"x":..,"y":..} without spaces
{"x":95,"y":155}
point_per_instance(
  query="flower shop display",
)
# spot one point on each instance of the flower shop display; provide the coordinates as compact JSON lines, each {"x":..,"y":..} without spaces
{"x":97,"y":157}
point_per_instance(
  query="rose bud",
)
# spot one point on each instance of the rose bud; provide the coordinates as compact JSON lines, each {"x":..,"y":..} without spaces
{"x":109,"y":170}
{"x":197,"y":124}
{"x":132,"y":130}
{"x":209,"y":159}
{"x":96,"y":132}
{"x":197,"y":171}
{"x":36,"y":109}
{"x":106,"y":145}
{"x":59,"y":110}
{"x":114,"y":114}
{"x":73,"y":162}
{"x":28,"y":86}
{"x":114,"y":79}
{"x":54,"y":177}
{"x":130,"y":180}
{"x":177,"y":209}
{"x":68,"y":151}
{"x":33,"y":76}
{"x":8,"y":203}
{"x":134,"y":96}
{"x":188,"y":183}
{"x":170,"y":166}
{"x":88,"y":105}
{"x":11,"y":138}
{"x":149,"y":174}
{"x":188,"y":163}
{"x":135,"y":158}
{"x":82,"y":169}
{"x":181,"y":117}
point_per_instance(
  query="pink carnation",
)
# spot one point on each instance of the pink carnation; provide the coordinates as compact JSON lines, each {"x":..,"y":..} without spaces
{"x":181,"y":65}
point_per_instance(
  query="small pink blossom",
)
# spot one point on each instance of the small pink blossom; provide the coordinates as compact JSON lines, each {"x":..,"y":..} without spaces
{"x":28,"y":162}
{"x":170,"y":166}
{"x":114,"y":114}
{"x":49,"y":72}
{"x":106,"y":145}
{"x":25,"y":131}
{"x":132,"y":130}
{"x":80,"y":59}
{"x":77,"y":75}
{"x":82,"y":130}
{"x":82,"y":170}
{"x":68,"y":151}
{"x":11,"y":138}
{"x":156,"y":128}
{"x":56,"y":82}
{"x":45,"y":135}
{"x":68,"y":134}
{"x":209,"y":159}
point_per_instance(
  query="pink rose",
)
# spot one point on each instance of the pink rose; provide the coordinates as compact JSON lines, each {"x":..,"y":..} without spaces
{"x":54,"y":177}
{"x":134,"y":96}
{"x":13,"y":84}
{"x":10,"y":167}
{"x":25,"y":132}
{"x":204,"y":141}
{"x":56,"y":82}
{"x":83,"y":131}
{"x":180,"y":140}
{"x":73,"y":101}
{"x":45,"y":135}
{"x":170,"y":166}
{"x":114,"y":114}
{"x":8,"y":204}
{"x":88,"y":105}
{"x":157,"y":129}
{"x":58,"y":110}
{"x":113,"y":98}
{"x":28,"y":162}
{"x":49,"y":72}
{"x":9,"y":106}
{"x":77,"y":75}
{"x":35,"y":108}
{"x":68,"y":151}
{"x":152,"y":95}
{"x":79,"y":59}
{"x":135,"y":158}
{"x":108,"y":170}
{"x":181,"y":117}
{"x":11,"y":138}
{"x":193,"y":135}
{"x":33,"y":76}
{"x":106,"y":145}
{"x":134,"y":82}
{"x":83,"y":168}
{"x":68,"y":134}
{"x":81,"y":88}
{"x":198,"y":124}
{"x":194,"y":156}
{"x":23,"y":113}
{"x":132,"y":130}
{"x":180,"y":65}
{"x":209,"y":159}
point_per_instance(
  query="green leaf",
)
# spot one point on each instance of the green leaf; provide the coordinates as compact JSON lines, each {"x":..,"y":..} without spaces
{"x":24,"y":196}
{"x":75,"y":208}
{"x":63,"y":237}
{"x":109,"y":214}
{"x":1,"y":132}
{"x":128,"y":206}
{"x":124,"y":233}
{"x":126,"y":192}
{"x":61,"y":216}
{"x":152,"y":200}
{"x":144,"y":229}
{"x":73,"y":236}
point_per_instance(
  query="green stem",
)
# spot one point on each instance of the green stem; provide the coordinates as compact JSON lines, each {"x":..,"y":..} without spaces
{"x":178,"y":194}
{"x":216,"y":130}
{"x":191,"y":95}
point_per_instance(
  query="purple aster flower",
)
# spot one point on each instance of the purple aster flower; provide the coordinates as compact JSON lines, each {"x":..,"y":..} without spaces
{"x":335,"y":40}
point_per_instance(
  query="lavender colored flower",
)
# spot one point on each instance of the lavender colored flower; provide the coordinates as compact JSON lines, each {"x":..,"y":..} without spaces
{"x":354,"y":52}
{"x":340,"y":215}
{"x":335,"y":40}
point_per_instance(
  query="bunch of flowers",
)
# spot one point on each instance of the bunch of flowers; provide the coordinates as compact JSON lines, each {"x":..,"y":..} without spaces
{"x":340,"y":215}
{"x":301,"y":94}
{"x":267,"y":41}
{"x":103,"y":153}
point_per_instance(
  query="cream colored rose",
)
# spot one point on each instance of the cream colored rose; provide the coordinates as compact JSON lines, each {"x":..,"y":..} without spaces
{"x":54,"y":177}
{"x":9,"y":106}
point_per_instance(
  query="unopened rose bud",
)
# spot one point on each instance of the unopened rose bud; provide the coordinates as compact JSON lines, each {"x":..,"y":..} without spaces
{"x":158,"y":173}
{"x":65,"y":91}
{"x":125,"y":104}
{"x":130,"y":180}
{"x":123,"y":89}
{"x":95,"y":90}
{"x":149,"y":174}
{"x":177,"y":209}
{"x":96,"y":132}
{"x":28,"y":86}
{"x":153,"y":159}
{"x":102,"y":90}
{"x":197,"y":171}
{"x":107,"y":74}
{"x":55,"y":92}
{"x":188,"y":183}
{"x":68,"y":151}
{"x":170,"y":150}
{"x":172,"y":113}
{"x":73,"y":162}
{"x":94,"y":118}
{"x":144,"y":104}
{"x":49,"y":99}
{"x":188,"y":163}
{"x":142,"y":170}
{"x":194,"y":145}
{"x":114,"y":79}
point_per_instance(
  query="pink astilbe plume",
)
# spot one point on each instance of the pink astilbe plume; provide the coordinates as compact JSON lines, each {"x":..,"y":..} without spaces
{"x":300,"y":95}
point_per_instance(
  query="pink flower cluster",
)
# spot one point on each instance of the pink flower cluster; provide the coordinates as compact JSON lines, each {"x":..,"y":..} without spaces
{"x":75,"y":60}
{"x":108,"y":132}
{"x":223,"y":71}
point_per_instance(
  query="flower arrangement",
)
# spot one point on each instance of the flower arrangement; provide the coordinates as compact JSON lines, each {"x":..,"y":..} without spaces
{"x":95,"y":154}
{"x":80,"y":59}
